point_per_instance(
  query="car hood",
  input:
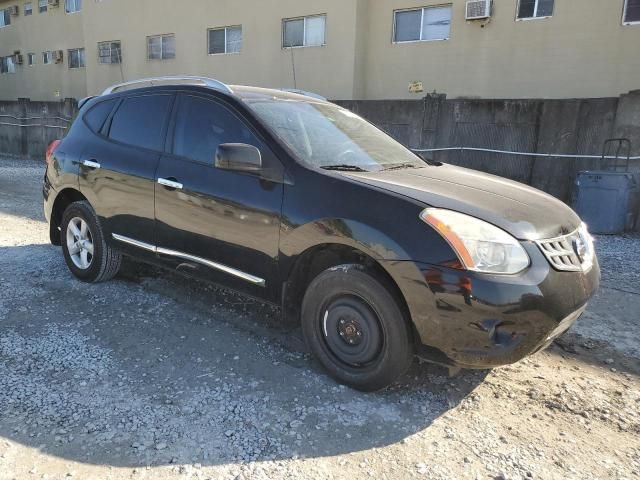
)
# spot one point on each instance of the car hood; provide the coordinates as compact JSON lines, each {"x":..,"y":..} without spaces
{"x":524,"y":212}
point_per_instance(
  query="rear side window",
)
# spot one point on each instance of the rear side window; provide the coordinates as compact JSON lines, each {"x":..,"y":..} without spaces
{"x":96,"y":117}
{"x":202,"y":125}
{"x":140,"y":121}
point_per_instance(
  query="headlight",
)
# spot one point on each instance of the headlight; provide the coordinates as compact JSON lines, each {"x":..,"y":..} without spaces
{"x":480,"y":246}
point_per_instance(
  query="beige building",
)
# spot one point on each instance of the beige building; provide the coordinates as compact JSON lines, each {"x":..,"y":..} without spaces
{"x":342,"y":49}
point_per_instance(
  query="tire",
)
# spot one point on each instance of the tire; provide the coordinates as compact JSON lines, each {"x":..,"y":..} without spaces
{"x":355,"y":327}
{"x":104,"y":261}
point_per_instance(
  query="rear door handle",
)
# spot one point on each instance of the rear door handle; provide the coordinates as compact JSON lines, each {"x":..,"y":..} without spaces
{"x":91,"y":164}
{"x":170,"y":183}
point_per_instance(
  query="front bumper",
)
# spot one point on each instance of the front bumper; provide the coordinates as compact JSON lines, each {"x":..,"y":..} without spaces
{"x":473,"y":320}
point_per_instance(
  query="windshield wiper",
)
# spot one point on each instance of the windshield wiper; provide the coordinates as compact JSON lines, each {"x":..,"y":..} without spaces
{"x":344,"y":168}
{"x":398,"y":166}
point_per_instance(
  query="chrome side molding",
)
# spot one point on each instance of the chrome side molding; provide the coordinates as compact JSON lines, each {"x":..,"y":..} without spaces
{"x":185,"y":256}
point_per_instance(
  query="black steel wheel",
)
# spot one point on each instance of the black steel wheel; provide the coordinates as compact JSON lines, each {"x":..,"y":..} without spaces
{"x":355,"y":327}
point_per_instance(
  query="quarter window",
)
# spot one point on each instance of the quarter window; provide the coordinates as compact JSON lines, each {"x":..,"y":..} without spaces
{"x":225,"y":40}
{"x":5,"y":18}
{"x":631,"y":12}
{"x":28,"y":9}
{"x":422,"y":24}
{"x":96,"y":117}
{"x":42,"y":6}
{"x":76,"y":58}
{"x":304,"y":32}
{"x":140,"y":121}
{"x":161,"y":47}
{"x":109,"y":52}
{"x":72,"y":6}
{"x":535,"y":8}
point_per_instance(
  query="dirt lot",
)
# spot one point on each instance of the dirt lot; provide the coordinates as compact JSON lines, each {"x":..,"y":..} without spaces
{"x":151,"y":376}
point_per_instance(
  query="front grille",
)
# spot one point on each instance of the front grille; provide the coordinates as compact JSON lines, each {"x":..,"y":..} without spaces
{"x":564,"y":253}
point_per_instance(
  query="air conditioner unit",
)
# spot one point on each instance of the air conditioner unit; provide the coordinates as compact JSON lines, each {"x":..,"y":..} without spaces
{"x":478,"y":9}
{"x":14,"y":10}
{"x":54,"y":3}
{"x":18,"y":59}
{"x":58,"y":56}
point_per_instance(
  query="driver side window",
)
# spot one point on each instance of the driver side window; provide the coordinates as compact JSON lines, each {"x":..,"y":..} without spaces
{"x":202,"y":125}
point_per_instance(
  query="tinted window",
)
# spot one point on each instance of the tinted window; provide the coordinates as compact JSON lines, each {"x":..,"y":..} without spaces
{"x":140,"y":121}
{"x":202,"y":125}
{"x":96,"y":117}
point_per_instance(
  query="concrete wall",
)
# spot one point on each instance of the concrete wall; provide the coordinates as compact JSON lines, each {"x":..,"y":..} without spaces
{"x":582,"y":51}
{"x":576,"y":126}
{"x":27,"y":128}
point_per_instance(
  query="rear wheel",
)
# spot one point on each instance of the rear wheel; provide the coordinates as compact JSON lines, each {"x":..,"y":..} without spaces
{"x":356,"y":328}
{"x":83,"y":245}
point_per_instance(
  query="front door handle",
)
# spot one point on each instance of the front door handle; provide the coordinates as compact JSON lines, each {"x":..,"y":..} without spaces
{"x":167,"y":182}
{"x":91,"y":164}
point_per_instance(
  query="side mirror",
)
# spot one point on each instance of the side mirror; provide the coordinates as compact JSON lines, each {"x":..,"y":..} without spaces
{"x":239,"y":157}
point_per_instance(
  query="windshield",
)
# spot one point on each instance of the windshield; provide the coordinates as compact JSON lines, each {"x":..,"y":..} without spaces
{"x":325,"y":135}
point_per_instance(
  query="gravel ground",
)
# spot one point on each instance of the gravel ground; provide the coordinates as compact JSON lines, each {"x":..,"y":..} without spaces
{"x":150,"y":376}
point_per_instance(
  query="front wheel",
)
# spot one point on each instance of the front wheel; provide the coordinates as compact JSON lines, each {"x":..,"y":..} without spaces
{"x":354,"y":326}
{"x":84,"y":248}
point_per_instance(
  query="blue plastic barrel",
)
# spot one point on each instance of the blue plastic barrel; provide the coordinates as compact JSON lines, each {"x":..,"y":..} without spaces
{"x":605,"y":200}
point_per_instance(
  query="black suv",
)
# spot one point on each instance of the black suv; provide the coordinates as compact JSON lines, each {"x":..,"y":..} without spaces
{"x":303,"y":204}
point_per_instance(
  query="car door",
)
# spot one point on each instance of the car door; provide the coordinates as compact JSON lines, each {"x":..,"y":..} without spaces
{"x":218,"y":224}
{"x":118,"y":169}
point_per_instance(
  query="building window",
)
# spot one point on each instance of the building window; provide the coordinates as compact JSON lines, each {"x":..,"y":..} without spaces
{"x":109,"y":53}
{"x":535,"y":9}
{"x":304,"y":32}
{"x":76,"y":58}
{"x":7,"y":65}
{"x":31,"y":59}
{"x":42,"y":6}
{"x":5,"y":18}
{"x":72,"y":6}
{"x":631,"y":12}
{"x":47,"y":58}
{"x":422,"y":24}
{"x":28,"y":9}
{"x":225,"y":40}
{"x":161,"y":47}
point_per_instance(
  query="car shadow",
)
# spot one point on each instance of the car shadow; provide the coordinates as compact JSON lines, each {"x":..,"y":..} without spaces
{"x":153,"y":369}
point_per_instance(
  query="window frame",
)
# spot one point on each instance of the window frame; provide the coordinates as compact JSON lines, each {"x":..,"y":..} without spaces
{"x":624,"y":16}
{"x":82,"y":57}
{"x":30,"y":10}
{"x":422,"y":9}
{"x":9,"y":59}
{"x":43,"y":6}
{"x":110,"y":42}
{"x":162,"y":57}
{"x":77,"y":5}
{"x":215,"y":29}
{"x":304,"y":30}
{"x":535,"y":10}
{"x":6,"y":15}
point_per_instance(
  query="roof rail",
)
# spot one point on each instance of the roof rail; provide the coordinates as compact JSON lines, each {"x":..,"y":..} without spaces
{"x":305,"y":93}
{"x":207,"y":82}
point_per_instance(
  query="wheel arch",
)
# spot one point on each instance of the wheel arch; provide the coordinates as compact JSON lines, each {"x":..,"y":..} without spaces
{"x":64,"y":198}
{"x":314,"y":260}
